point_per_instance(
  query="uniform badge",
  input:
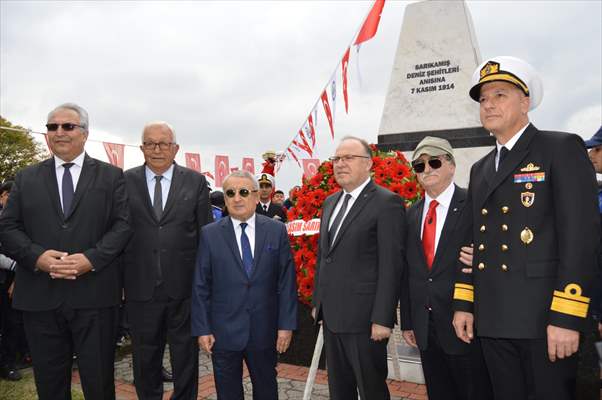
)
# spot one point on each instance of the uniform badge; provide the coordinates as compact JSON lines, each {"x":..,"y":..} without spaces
{"x":530,"y":168}
{"x":530,"y":177}
{"x":527,"y":198}
{"x":526,"y":236}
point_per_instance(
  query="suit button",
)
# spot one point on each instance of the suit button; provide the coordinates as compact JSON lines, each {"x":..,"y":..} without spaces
{"x":484,"y":211}
{"x":160,"y":226}
{"x":481,"y":247}
{"x":505,"y":209}
{"x":504,"y":227}
{"x":504,"y":247}
{"x":64,"y":226}
{"x":504,"y":267}
{"x":481,"y":266}
{"x":430,"y":279}
{"x":328,"y":260}
{"x":482,"y":228}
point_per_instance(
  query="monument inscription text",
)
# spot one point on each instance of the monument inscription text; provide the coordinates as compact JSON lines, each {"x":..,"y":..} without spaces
{"x":432,"y":76}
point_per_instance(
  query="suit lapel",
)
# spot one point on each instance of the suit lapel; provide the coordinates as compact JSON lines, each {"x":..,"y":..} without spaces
{"x":260,"y":235}
{"x":416,"y":216}
{"x":514,"y":157}
{"x":85,"y":178}
{"x":326,"y":215}
{"x":143,"y":190}
{"x":174,"y":189}
{"x":358,"y":205}
{"x":52,"y":186}
{"x":230,"y":237}
{"x":450,"y":223}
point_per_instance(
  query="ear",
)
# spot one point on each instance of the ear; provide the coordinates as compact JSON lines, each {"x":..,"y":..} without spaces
{"x":525,"y":103}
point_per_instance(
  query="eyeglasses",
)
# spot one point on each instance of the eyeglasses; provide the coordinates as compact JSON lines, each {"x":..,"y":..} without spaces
{"x":346,"y":158}
{"x":230,"y":193}
{"x":419,"y":166}
{"x":152,"y":145}
{"x":67,"y":126}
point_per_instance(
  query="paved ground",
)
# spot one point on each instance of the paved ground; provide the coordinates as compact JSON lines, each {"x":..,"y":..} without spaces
{"x":291,"y":383}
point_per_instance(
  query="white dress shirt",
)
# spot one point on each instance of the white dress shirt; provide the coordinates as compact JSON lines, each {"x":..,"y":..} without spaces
{"x":249,"y":230}
{"x":509,"y":144}
{"x":76,"y":170}
{"x":267,"y":205}
{"x":165,"y":184}
{"x":355,"y":193}
{"x":444,"y":200}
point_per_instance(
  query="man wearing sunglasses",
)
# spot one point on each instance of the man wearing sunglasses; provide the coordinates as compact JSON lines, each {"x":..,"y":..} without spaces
{"x":536,"y":235}
{"x":169,"y":204}
{"x":438,"y":225}
{"x":66,"y":224}
{"x":358,"y":271}
{"x":266,"y":206}
{"x":244,"y":302}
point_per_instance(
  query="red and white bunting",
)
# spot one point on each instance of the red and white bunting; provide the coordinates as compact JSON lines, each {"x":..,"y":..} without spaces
{"x":327,"y":111}
{"x":193,"y":161}
{"x":333,"y":98}
{"x":248,"y":164}
{"x":370,"y":25}
{"x":292,"y":153}
{"x":310,"y":167}
{"x":233,"y":169}
{"x":344,"y":65}
{"x":222,"y":169}
{"x":115,"y":153}
{"x":302,"y":144}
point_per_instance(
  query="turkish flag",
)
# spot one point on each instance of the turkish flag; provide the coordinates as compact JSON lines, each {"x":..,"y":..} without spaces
{"x":310,"y":167}
{"x":115,"y":153}
{"x":222,"y":169}
{"x":344,"y":65}
{"x":193,"y":161}
{"x":327,"y":111}
{"x":248,"y":164}
{"x":371,"y":23}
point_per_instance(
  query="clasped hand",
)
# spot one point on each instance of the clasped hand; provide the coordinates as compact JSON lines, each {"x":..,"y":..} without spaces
{"x":61,"y":265}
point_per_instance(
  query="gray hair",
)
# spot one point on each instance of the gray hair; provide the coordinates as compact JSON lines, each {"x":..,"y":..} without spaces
{"x":160,"y":123}
{"x":242,"y":174}
{"x":83,"y":114}
{"x":365,"y":145}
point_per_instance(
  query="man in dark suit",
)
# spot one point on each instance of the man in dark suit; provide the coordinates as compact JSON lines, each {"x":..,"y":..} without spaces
{"x":244,"y":302}
{"x":359,"y":264}
{"x":168,"y":205}
{"x":536,"y":232}
{"x":438,"y":226}
{"x":65,"y":224}
{"x":266,"y":206}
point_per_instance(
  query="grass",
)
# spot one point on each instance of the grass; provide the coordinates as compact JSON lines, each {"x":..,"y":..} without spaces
{"x":25,"y":389}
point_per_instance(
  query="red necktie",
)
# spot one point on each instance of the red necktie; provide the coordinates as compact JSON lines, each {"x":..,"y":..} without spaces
{"x":429,"y":232}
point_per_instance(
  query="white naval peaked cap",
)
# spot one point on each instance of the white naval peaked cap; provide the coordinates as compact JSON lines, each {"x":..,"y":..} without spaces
{"x":509,"y":69}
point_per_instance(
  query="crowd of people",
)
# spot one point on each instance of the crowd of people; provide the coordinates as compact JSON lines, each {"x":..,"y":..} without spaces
{"x":494,"y":283}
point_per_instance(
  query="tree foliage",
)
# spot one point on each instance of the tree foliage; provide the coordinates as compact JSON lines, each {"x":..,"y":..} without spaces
{"x":18,"y":149}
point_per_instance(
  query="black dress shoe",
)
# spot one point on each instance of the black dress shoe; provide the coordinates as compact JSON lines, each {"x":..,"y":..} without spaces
{"x":166,"y":375}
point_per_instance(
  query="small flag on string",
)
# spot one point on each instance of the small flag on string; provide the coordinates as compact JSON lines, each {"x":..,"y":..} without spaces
{"x":248,"y":164}
{"x":115,"y":153}
{"x":371,"y":23}
{"x":193,"y":161}
{"x":327,"y":111}
{"x":344,"y":65}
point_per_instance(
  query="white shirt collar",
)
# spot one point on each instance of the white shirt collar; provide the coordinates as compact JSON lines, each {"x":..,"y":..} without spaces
{"x":150,"y":175}
{"x":356,"y":192}
{"x":510,"y":143}
{"x":79,"y":160}
{"x":443,"y":199}
{"x":250,"y":222}
{"x":267,"y":205}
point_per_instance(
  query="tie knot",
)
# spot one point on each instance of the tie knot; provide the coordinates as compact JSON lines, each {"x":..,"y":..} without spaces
{"x":68,"y":165}
{"x":158,"y":178}
{"x":243,"y":225}
{"x":433,"y":204}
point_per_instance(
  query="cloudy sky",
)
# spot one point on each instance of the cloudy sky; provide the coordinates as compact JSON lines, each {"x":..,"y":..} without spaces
{"x":240,"y":77}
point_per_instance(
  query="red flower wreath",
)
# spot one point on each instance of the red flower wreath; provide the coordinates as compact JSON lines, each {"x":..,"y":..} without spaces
{"x":390,"y":170}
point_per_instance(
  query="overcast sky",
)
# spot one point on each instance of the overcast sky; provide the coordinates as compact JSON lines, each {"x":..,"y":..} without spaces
{"x":240,"y":77}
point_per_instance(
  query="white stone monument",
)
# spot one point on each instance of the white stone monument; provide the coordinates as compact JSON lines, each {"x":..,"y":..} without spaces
{"x":428,"y":93}
{"x":428,"y":96}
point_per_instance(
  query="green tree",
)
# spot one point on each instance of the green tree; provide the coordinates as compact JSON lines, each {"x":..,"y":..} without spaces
{"x":18,"y":149}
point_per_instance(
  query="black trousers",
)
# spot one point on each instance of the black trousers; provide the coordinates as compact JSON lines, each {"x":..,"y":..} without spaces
{"x":454,"y":376}
{"x":12,"y":339}
{"x":356,"y":363}
{"x":521,"y":370}
{"x":153,"y":324}
{"x":227,"y":370}
{"x":54,"y":336}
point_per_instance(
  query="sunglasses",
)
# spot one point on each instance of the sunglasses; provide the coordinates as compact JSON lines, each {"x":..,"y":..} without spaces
{"x":68,"y":127}
{"x":230,"y":193}
{"x":419,"y":166}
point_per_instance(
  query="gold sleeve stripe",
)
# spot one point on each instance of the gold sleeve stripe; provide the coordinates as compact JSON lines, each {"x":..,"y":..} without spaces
{"x":463,"y":294}
{"x":570,"y":307}
{"x":572,"y":291}
{"x":464,"y":286}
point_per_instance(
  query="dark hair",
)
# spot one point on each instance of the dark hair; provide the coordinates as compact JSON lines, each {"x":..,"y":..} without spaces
{"x":279,"y":191}
{"x":6,"y":186}
{"x":217,"y":198}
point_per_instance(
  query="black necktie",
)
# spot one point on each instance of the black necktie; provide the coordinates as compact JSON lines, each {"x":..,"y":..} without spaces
{"x":503,"y":153}
{"x":265,"y":208}
{"x":338,"y":219}
{"x":158,"y":198}
{"x":67,"y":189}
